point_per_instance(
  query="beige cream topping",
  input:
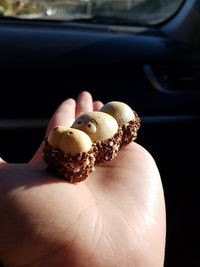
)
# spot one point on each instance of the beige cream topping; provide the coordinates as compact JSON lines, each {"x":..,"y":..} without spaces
{"x":119,"y":110}
{"x":99,"y":126}
{"x":69,"y":140}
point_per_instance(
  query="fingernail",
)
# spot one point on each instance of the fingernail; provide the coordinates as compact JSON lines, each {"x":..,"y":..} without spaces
{"x":83,"y":94}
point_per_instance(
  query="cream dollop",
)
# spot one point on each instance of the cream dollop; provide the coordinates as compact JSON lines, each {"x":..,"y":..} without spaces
{"x":99,"y":126}
{"x":119,"y":110}
{"x":69,"y":140}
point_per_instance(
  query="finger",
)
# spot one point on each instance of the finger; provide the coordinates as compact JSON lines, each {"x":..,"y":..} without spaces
{"x":63,"y":116}
{"x":84,"y":103}
{"x":2,"y":162}
{"x":97,"y":105}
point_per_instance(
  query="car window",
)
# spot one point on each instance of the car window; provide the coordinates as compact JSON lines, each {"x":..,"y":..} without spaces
{"x":133,"y":12}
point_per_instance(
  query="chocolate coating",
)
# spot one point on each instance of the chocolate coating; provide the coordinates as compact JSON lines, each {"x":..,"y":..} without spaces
{"x":127,"y":119}
{"x":69,"y":153}
{"x":72,"y":168}
{"x":130,"y":130}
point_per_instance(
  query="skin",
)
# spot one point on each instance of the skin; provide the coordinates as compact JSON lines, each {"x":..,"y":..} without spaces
{"x":115,"y":218}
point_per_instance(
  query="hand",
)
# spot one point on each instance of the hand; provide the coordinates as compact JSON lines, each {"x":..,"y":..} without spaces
{"x":115,"y":218}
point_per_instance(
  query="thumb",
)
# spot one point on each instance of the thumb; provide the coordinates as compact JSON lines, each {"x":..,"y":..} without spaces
{"x":2,"y":162}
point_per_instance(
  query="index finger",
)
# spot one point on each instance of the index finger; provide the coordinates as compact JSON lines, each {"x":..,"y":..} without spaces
{"x":63,"y":116}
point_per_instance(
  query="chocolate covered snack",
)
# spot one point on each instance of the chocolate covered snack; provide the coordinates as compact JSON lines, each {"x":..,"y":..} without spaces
{"x":104,"y":132}
{"x":95,"y":137}
{"x":69,"y":153}
{"x":127,"y":119}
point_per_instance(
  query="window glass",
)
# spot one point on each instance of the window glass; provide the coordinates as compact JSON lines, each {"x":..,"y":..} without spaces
{"x":133,"y":12}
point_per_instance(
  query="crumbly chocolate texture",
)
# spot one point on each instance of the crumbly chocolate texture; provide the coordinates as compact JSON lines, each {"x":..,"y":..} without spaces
{"x":130,"y":130}
{"x":107,"y":150}
{"x":72,"y":168}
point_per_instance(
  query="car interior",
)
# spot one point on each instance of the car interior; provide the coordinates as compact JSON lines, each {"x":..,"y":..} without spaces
{"x":153,"y":68}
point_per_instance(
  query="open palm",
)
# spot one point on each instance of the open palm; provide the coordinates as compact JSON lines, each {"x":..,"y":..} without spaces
{"x":116,"y":217}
